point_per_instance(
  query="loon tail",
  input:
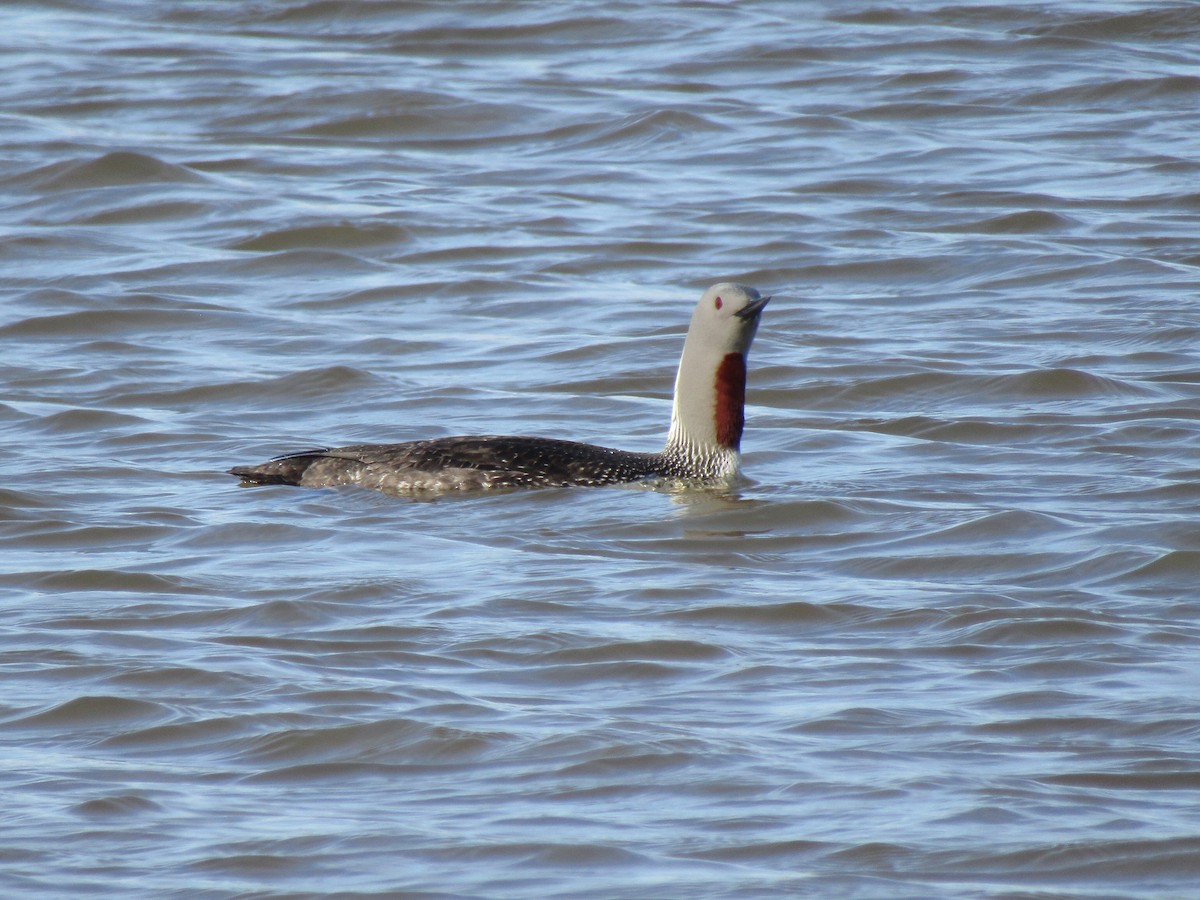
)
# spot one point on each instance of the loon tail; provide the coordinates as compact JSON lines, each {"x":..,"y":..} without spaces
{"x":287,"y":469}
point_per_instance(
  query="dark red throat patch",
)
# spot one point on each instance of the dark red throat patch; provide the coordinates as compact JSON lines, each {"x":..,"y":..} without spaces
{"x":731,"y":400}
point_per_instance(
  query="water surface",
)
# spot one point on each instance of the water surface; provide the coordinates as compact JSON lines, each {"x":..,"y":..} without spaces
{"x":942,"y":643}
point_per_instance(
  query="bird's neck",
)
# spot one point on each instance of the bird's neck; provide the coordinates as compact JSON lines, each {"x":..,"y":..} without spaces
{"x":709,"y":409}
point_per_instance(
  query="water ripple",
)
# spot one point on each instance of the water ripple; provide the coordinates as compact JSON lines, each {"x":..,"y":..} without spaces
{"x":940,"y":641}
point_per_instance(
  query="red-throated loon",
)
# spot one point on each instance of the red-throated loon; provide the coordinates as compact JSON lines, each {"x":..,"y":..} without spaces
{"x":702,"y":445}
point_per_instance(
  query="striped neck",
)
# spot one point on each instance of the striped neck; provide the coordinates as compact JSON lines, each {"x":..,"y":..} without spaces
{"x":710,"y":387}
{"x":708,"y":416}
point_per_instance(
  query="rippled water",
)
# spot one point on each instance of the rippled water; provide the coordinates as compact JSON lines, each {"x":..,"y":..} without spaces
{"x":945,"y":643}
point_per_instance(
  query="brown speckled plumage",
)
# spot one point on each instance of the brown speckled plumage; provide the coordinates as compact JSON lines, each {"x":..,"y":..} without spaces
{"x":703,"y":443}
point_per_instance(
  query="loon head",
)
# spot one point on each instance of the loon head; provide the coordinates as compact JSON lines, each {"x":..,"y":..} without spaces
{"x":726,"y":318}
{"x":710,"y":388}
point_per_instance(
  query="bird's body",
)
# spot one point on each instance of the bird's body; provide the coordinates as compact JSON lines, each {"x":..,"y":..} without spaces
{"x":702,"y":445}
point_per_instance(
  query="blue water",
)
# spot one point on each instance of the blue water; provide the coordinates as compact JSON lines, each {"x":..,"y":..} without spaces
{"x":941,"y":643}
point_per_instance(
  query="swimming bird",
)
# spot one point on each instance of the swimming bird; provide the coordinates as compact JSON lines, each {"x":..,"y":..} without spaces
{"x":703,"y":443}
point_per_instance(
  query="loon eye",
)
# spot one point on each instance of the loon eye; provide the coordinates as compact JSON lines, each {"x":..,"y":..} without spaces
{"x":718,"y":303}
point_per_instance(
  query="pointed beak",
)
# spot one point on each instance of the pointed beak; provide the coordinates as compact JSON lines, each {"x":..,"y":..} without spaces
{"x":753,"y":308}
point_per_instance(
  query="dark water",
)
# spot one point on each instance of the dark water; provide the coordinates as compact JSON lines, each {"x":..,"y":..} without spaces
{"x":945,"y":643}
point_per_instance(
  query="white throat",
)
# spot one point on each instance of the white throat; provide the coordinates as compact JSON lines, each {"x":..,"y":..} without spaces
{"x":708,"y":413}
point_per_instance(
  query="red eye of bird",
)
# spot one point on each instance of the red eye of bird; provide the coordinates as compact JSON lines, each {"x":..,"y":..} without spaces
{"x":718,"y":303}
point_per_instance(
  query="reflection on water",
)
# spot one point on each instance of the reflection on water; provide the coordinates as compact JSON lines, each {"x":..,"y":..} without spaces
{"x":940,"y":641}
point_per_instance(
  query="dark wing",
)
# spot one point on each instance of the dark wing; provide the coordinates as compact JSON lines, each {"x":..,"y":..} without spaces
{"x":565,"y":461}
{"x":519,"y":461}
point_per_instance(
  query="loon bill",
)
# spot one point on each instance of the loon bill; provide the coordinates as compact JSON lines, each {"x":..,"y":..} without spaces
{"x":703,"y":444}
